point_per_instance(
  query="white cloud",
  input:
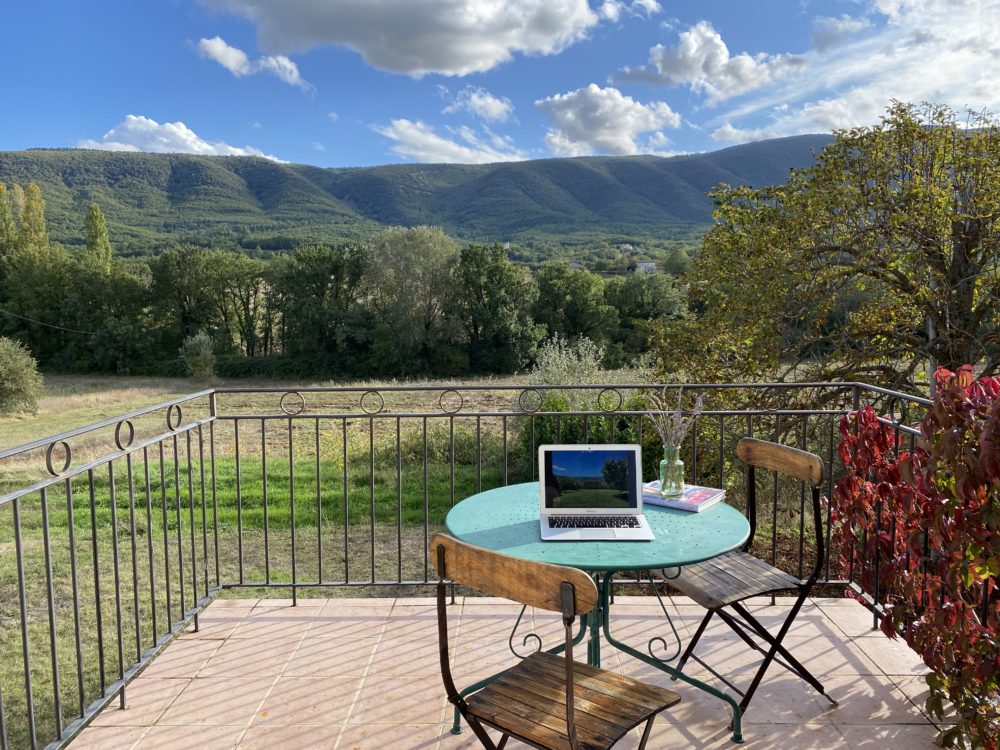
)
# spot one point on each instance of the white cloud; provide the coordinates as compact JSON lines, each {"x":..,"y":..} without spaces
{"x":239,"y":64}
{"x":317,"y":146}
{"x":231,"y":58}
{"x":482,"y":104}
{"x":611,"y":10}
{"x":701,"y":61}
{"x":332,"y":115}
{"x":420,"y":142}
{"x":649,"y":7}
{"x":944,"y":51}
{"x":602,"y":121}
{"x":829,"y":32}
{"x":138,"y":133}
{"x":416,"y":37}
{"x":285,"y":69}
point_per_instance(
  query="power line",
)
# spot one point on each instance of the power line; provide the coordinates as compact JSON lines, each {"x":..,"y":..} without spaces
{"x":48,"y":325}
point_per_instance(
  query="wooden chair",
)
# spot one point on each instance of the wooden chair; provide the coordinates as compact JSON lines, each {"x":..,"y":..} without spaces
{"x":725,"y":581}
{"x":547,"y":700}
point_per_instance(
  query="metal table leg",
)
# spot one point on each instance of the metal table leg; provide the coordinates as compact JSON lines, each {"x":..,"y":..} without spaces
{"x":603,"y":598}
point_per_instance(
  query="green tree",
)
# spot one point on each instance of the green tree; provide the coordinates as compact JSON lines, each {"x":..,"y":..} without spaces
{"x":571,"y":302}
{"x":20,"y":384}
{"x":8,"y":229}
{"x":412,"y":288}
{"x":98,"y":251}
{"x":641,"y":300}
{"x":493,"y":299}
{"x":32,"y":234}
{"x":316,"y":291}
{"x":880,"y":259}
{"x":180,"y":288}
{"x":238,"y":289}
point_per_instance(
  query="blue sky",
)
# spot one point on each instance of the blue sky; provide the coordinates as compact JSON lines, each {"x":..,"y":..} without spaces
{"x":363,"y":82}
{"x":584,"y":463}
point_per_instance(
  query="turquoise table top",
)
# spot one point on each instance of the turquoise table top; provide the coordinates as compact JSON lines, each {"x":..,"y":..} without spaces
{"x":505,"y":519}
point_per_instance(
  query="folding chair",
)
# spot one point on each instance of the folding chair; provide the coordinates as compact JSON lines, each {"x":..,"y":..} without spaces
{"x":725,"y":581}
{"x":547,"y":700}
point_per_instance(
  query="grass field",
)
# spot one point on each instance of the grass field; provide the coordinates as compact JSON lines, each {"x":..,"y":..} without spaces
{"x":593,"y":498}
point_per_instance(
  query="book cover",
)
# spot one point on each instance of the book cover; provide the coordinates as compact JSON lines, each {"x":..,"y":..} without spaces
{"x":695,"y":498}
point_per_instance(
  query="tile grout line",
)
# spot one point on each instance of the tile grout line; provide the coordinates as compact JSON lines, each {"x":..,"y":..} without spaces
{"x":153,"y":723}
{"x":364,"y":675}
{"x":267,"y":694}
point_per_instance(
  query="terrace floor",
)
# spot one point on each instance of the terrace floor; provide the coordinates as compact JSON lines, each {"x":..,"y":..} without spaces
{"x":363,"y":673}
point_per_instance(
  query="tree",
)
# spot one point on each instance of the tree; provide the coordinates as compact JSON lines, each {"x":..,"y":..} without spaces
{"x":98,"y":251}
{"x":20,"y":383}
{"x":8,"y":229}
{"x":238,"y":289}
{"x":180,"y":284}
{"x":641,"y":300}
{"x":571,"y":302}
{"x":316,"y":291}
{"x":878,"y":260}
{"x":493,"y":299}
{"x":411,"y":274}
{"x":32,"y":234}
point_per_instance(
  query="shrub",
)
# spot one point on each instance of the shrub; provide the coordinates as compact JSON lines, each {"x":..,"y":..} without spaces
{"x":562,"y":362}
{"x":20,"y":383}
{"x":198,"y":354}
{"x":929,"y":519}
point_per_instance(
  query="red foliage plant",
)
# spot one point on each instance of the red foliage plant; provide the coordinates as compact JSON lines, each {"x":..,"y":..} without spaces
{"x":918,"y":531}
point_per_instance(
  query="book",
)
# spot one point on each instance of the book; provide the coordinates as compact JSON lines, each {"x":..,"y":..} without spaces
{"x":695,"y":498}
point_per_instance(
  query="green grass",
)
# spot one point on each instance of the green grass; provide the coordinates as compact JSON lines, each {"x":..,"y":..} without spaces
{"x":593,"y":498}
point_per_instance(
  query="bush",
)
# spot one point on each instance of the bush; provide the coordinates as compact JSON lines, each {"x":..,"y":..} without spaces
{"x":562,"y":362}
{"x":198,"y":354}
{"x":929,"y":519}
{"x":20,"y":383}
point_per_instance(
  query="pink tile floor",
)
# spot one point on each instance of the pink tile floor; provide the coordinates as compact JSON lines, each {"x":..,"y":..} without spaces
{"x":363,"y":673}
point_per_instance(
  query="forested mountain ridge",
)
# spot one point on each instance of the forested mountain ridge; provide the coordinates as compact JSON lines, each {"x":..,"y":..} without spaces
{"x":153,"y":201}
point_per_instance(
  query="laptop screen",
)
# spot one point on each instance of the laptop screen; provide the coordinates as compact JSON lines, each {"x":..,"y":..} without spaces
{"x":592,"y":479}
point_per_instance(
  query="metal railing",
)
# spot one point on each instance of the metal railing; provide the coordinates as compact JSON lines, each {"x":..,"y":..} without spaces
{"x":114,"y":536}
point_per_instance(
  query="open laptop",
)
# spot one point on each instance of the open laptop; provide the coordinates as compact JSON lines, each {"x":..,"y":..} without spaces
{"x":592,"y":492}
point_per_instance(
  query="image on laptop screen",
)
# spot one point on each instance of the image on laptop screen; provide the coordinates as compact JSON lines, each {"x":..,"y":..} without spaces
{"x":590,"y":479}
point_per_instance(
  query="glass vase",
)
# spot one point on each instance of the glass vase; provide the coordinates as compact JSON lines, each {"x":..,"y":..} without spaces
{"x":671,"y":472}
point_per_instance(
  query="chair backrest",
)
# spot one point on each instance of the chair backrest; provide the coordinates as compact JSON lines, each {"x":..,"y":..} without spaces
{"x":533,"y":583}
{"x":802,"y":465}
{"x":781,"y":458}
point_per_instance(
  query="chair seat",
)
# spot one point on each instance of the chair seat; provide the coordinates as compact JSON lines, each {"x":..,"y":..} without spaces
{"x":529,"y":701}
{"x":730,"y":578}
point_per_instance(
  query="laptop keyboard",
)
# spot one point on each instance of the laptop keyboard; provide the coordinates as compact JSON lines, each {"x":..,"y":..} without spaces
{"x":593,"y":522}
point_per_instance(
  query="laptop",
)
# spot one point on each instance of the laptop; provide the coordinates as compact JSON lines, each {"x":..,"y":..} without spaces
{"x":592,"y":492}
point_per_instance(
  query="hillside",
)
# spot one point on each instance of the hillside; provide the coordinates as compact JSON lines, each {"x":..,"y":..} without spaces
{"x":155,"y":200}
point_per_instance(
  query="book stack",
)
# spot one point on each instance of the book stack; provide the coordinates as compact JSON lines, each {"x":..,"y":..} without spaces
{"x":694,"y":499}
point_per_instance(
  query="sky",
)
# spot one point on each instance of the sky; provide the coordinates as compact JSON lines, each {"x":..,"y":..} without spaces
{"x":584,"y":463}
{"x":344,"y":83}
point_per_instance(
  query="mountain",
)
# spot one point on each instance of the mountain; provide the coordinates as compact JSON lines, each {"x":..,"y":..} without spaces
{"x":152,"y":201}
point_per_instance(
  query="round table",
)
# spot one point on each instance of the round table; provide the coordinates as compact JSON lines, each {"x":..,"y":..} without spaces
{"x":506,"y":519}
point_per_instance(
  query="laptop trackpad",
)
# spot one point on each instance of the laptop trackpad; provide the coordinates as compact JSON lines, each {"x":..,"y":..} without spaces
{"x":597,"y":533}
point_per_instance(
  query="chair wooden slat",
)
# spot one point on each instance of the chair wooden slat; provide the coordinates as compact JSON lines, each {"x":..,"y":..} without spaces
{"x":731,"y":578}
{"x":529,"y":700}
{"x":533,"y":583}
{"x":782,"y":459}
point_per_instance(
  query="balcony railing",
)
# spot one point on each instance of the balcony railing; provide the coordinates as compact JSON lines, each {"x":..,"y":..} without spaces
{"x":114,"y":536}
